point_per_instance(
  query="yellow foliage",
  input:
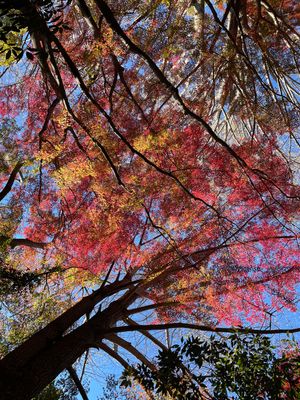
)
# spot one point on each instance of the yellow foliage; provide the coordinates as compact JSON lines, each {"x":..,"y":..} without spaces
{"x":63,"y":119}
{"x":151,"y":141}
{"x":73,"y":173}
{"x":79,"y":278}
{"x":47,"y":155}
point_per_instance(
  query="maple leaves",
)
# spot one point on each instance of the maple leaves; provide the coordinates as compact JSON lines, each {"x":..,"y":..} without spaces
{"x":147,"y":148}
{"x":149,"y":151}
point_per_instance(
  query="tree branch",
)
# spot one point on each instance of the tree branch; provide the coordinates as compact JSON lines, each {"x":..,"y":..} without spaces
{"x":77,"y":382}
{"x":149,"y":307}
{"x":111,"y":20}
{"x":56,"y":328}
{"x":158,"y":343}
{"x":27,"y":242}
{"x":130,"y":348}
{"x":9,"y":184}
{"x":204,"y":328}
{"x":113,"y":354}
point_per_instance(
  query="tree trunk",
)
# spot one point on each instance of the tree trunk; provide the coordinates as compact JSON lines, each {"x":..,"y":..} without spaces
{"x":28,"y":369}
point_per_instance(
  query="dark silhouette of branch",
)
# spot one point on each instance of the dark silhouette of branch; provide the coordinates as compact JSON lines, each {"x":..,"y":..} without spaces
{"x":204,"y":328}
{"x":27,"y":242}
{"x":77,"y":75}
{"x":150,"y":307}
{"x":9,"y":184}
{"x":55,"y":329}
{"x":158,"y":343}
{"x":77,"y":382}
{"x":15,"y":242}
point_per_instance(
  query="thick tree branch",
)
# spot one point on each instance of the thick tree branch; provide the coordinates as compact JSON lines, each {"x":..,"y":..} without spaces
{"x":55,"y":329}
{"x":27,"y":242}
{"x":14,"y":242}
{"x":204,"y":328}
{"x":87,"y":15}
{"x":9,"y":184}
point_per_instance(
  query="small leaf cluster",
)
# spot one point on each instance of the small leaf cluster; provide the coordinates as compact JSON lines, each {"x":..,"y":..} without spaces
{"x":17,"y":17}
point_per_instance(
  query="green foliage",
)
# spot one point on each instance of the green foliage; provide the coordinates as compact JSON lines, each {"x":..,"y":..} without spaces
{"x":244,"y":367}
{"x":18,"y":17}
{"x":10,"y":48}
{"x":13,"y":25}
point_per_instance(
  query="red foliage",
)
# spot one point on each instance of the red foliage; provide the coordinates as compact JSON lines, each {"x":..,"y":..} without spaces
{"x":214,"y":228}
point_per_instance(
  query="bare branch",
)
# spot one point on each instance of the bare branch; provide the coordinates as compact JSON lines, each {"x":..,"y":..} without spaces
{"x":150,"y":307}
{"x":130,"y":348}
{"x":111,"y":20}
{"x":77,"y":382}
{"x":131,"y":322}
{"x":113,"y":354}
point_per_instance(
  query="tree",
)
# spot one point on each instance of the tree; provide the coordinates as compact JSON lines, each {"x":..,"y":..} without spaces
{"x":242,"y":366}
{"x":156,"y":148}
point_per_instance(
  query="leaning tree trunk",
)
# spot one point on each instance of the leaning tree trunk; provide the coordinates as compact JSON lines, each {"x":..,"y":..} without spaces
{"x":28,"y":369}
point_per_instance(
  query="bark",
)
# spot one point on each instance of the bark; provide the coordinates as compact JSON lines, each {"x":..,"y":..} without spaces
{"x":39,"y":43}
{"x":27,"y":242}
{"x":199,"y":21}
{"x":47,"y":353}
